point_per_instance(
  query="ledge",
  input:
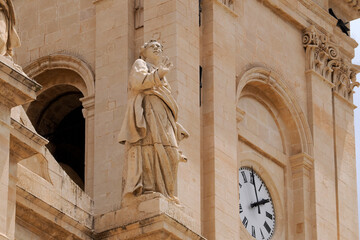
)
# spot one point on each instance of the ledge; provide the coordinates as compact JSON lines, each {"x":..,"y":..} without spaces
{"x":25,"y":143}
{"x":344,"y":100}
{"x":312,"y":72}
{"x":43,"y":219}
{"x":149,"y":216}
{"x":15,"y":87}
{"x":259,"y":145}
{"x":154,"y":228}
{"x":44,"y":209}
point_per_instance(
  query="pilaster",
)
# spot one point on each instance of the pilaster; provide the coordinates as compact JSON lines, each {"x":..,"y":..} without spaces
{"x":219,"y":133}
{"x":15,"y":89}
{"x":89,"y":115}
{"x":345,"y":166}
{"x":113,"y":61}
{"x":319,"y":94}
{"x":331,"y":80}
{"x":301,"y":169}
{"x":175,"y":24}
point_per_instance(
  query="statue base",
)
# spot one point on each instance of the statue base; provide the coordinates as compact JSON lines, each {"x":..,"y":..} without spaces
{"x":149,"y":216}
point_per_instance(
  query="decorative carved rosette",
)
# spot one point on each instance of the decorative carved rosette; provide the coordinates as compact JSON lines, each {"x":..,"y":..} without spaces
{"x":323,"y":57}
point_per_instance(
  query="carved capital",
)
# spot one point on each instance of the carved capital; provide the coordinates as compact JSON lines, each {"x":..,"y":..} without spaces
{"x":324,"y":57}
{"x":301,"y":161}
{"x":89,"y":106}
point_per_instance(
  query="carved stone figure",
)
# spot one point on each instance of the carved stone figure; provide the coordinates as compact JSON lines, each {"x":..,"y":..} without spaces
{"x":150,"y":128}
{"x":9,"y":39}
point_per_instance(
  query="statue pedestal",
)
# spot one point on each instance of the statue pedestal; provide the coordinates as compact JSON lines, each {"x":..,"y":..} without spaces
{"x":149,"y":216}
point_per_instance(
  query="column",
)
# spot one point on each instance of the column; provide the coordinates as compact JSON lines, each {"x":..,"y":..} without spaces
{"x":89,"y":113}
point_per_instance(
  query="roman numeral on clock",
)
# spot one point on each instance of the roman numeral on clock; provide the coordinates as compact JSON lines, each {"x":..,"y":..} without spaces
{"x":267,"y":227}
{"x":262,"y":235}
{"x":245,"y":222}
{"x":260,"y":187}
{"x":253,"y":231}
{"x":241,"y":209}
{"x":244,"y":177}
{"x":269,"y":215}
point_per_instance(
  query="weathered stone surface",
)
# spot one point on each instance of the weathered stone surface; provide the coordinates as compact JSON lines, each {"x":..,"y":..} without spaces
{"x":273,"y":92}
{"x":15,"y":89}
{"x":150,"y":129}
{"x":149,"y":216}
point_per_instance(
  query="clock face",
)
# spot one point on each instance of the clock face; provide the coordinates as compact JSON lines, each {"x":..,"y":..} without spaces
{"x":256,"y":207}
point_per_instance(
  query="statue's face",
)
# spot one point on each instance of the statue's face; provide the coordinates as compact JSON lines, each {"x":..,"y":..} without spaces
{"x":153,"y":51}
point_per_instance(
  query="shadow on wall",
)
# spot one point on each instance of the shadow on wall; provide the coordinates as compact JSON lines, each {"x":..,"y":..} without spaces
{"x":57,"y":116}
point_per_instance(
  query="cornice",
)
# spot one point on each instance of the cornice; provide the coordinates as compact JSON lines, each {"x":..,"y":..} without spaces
{"x":323,"y":57}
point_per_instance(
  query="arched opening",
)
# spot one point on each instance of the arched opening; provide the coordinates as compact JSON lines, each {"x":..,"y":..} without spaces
{"x":66,"y":70}
{"x":275,"y":138}
{"x":57,"y":115}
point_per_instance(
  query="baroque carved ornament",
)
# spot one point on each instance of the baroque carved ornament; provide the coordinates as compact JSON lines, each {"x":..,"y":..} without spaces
{"x":323,"y":57}
{"x":353,"y":3}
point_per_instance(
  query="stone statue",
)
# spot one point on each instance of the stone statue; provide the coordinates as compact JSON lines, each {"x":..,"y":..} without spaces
{"x":9,"y":39}
{"x":150,"y":128}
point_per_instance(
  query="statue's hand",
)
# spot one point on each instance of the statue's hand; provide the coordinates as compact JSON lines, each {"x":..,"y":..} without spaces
{"x":164,"y":67}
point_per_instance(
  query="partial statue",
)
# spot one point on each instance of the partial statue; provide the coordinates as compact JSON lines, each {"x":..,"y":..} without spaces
{"x":150,"y":129}
{"x":9,"y":39}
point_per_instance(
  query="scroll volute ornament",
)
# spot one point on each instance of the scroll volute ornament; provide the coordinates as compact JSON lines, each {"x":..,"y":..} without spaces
{"x":323,"y":57}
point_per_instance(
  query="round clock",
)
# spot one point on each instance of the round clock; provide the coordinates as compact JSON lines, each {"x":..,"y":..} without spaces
{"x":255,"y":207}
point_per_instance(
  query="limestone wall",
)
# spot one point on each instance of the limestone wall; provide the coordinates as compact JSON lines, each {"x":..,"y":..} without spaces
{"x":271,"y":98}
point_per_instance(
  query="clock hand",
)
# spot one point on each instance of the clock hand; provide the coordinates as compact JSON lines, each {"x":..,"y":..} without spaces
{"x":261,"y":202}
{"x":257,"y":200}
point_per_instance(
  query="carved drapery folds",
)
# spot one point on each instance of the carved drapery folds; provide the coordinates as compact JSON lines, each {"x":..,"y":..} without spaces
{"x":324,"y":57}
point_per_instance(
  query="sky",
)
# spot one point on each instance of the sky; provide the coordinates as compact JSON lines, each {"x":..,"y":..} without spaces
{"x":355,"y":33}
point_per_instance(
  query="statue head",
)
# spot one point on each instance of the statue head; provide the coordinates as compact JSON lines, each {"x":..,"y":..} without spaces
{"x":151,"y":51}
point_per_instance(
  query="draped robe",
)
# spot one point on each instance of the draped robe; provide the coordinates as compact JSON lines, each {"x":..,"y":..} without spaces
{"x":9,"y":39}
{"x":151,"y":133}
